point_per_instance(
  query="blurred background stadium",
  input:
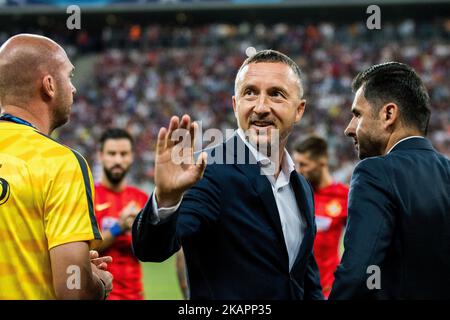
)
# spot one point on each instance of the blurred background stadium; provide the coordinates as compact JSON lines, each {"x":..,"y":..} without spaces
{"x":140,"y":61}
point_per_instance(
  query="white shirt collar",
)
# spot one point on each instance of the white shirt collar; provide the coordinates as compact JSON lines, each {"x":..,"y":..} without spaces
{"x":287,"y":166}
{"x":410,"y":137}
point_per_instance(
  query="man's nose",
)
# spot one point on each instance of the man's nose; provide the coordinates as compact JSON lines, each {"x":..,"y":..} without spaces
{"x":350,"y":130}
{"x":118,"y":158}
{"x":262,"y":105}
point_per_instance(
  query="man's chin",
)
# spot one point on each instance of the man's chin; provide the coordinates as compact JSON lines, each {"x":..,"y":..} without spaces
{"x":118,"y":176}
{"x":61,"y":118}
{"x":115,"y":181}
{"x":59,"y":123}
{"x":115,"y":178}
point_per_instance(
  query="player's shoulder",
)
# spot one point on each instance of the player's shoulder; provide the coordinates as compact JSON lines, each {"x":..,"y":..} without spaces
{"x":58,"y":155}
{"x":48,"y":146}
{"x":31,"y":145}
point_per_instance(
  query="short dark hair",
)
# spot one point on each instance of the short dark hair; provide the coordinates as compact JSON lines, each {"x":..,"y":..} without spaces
{"x":316,"y":146}
{"x":115,"y":133}
{"x":273,"y":56}
{"x":399,"y":83}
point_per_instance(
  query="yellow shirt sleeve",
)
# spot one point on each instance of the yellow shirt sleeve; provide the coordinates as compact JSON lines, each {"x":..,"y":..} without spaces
{"x":69,"y":209}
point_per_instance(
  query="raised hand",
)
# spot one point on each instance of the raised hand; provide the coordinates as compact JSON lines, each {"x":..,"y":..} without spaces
{"x":176,"y":172}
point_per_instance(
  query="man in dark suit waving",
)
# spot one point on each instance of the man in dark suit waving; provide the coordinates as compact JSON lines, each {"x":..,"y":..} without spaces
{"x":397,"y":243}
{"x":246,"y":233}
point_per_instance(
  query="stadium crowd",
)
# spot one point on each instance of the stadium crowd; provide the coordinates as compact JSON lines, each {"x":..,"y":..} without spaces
{"x":144,"y":74}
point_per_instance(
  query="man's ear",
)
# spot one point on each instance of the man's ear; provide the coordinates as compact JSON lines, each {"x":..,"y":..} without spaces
{"x":233,"y":100}
{"x":49,"y":86}
{"x":300,"y":110}
{"x":389,"y":114}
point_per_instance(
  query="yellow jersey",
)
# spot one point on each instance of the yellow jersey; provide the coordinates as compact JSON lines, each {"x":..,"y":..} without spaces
{"x":46,"y":200}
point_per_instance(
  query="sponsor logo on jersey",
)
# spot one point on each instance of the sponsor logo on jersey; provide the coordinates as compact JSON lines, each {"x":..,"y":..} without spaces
{"x":333,"y":208}
{"x":102,"y":206}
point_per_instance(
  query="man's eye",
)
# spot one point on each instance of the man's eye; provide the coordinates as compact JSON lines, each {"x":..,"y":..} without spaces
{"x":278,"y":94}
{"x":248,"y":92}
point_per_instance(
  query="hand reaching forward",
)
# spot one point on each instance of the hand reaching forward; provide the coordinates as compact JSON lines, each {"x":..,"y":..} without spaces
{"x":175,"y":167}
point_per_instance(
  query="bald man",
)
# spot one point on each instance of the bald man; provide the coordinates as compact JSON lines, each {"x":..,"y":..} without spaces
{"x":47,"y":223}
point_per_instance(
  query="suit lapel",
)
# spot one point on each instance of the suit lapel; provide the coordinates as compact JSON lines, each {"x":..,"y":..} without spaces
{"x":305,"y":210}
{"x":262,"y":186}
{"x":259,"y":182}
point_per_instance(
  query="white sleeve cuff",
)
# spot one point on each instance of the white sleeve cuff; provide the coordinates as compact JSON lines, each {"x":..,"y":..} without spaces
{"x":162,"y":213}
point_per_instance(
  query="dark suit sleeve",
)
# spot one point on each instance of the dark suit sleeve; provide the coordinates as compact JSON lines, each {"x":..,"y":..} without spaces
{"x":313,"y":289}
{"x":369,"y":230}
{"x":198,"y":211}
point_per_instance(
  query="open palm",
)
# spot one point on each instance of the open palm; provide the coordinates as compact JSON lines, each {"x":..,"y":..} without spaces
{"x":176,"y":171}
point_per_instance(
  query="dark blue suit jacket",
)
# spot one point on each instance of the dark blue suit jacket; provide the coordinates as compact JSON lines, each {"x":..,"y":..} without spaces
{"x":230,"y":230}
{"x":399,"y":220}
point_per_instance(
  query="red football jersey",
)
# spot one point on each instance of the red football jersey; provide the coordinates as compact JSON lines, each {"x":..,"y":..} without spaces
{"x":125,"y":267}
{"x":331,"y":216}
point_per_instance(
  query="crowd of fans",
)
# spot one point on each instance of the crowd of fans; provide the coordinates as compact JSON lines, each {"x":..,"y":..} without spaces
{"x":145,"y":74}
